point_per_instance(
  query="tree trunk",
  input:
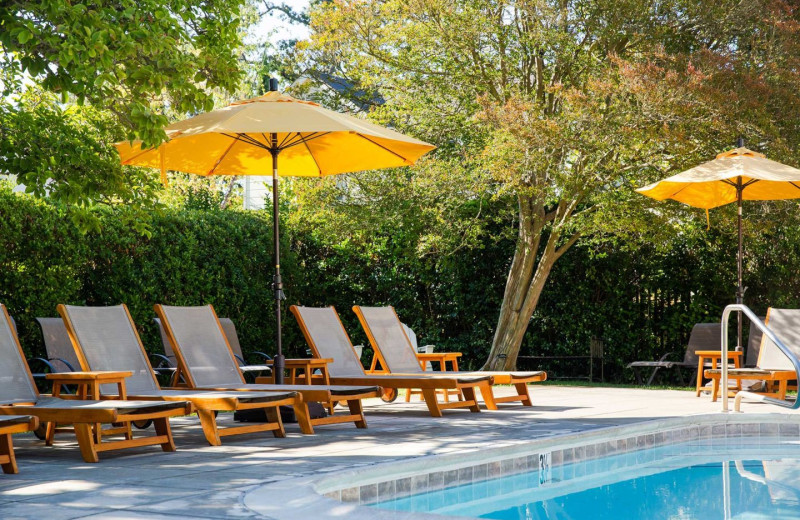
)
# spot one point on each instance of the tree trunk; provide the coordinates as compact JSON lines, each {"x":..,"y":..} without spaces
{"x":226,"y":197}
{"x":526,"y":279}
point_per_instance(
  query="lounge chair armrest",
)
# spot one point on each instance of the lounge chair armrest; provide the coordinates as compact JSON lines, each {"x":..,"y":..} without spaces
{"x":43,"y":361}
{"x":263,"y":355}
{"x":163,"y":361}
{"x":240,"y":359}
{"x":67,"y":363}
{"x":665,"y":356}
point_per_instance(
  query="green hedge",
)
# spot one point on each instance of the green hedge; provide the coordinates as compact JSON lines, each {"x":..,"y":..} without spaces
{"x":190,"y":258}
{"x":641,"y":303}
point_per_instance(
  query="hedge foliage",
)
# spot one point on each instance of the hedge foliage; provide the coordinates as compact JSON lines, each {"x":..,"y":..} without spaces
{"x":641,"y":303}
{"x":189,"y":258}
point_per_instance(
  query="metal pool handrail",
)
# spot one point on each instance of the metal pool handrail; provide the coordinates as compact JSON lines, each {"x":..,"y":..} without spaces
{"x":754,"y":320}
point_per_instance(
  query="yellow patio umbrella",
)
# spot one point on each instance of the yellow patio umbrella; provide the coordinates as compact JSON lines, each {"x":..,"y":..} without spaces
{"x":247,"y":137}
{"x":735,"y":175}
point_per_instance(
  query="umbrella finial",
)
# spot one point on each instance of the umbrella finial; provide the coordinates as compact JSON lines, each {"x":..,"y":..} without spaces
{"x":740,"y":142}
{"x":273,"y":84}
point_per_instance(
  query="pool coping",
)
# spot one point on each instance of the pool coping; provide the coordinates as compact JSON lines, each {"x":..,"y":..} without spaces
{"x":344,"y":493}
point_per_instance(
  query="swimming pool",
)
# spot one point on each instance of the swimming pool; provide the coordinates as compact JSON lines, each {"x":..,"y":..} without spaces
{"x":615,"y":464}
{"x":699,"y":479}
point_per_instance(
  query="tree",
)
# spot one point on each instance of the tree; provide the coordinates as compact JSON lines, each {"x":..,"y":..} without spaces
{"x":65,"y":153}
{"x":565,"y":105}
{"x":133,"y":57}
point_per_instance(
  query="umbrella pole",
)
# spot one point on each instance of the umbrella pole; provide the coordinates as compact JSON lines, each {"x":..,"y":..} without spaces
{"x":277,"y":284}
{"x":739,"y":288}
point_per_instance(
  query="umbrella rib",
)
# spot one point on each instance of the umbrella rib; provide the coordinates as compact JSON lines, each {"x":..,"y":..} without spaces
{"x":289,"y":139}
{"x":245,"y":139}
{"x":219,"y":161}
{"x":680,"y":190}
{"x":306,"y":139}
{"x":285,"y":139}
{"x":795,"y":185}
{"x":313,"y":158}
{"x":141,"y":152}
{"x":381,"y":146}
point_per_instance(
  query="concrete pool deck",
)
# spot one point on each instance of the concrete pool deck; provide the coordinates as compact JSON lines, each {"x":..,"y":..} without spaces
{"x":199,"y":481}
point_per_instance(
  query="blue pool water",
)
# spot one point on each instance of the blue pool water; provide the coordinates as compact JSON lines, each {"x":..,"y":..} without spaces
{"x":678,"y":482}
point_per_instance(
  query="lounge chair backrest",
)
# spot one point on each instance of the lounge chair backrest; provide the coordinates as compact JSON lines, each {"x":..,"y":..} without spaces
{"x":233,"y":338}
{"x":164,"y":340}
{"x":227,"y":326}
{"x":785,"y":323}
{"x":389,"y":339}
{"x":326,"y":336}
{"x":105,"y":338}
{"x":58,"y":345}
{"x":704,"y":336}
{"x":412,"y":336}
{"x":200,"y":345}
{"x":16,"y":381}
{"x":753,"y":345}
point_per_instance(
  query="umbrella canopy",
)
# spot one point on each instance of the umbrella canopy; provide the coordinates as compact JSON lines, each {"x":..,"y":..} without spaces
{"x":247,"y":138}
{"x":714,"y":183}
{"x":736,"y":175}
{"x":313,"y":141}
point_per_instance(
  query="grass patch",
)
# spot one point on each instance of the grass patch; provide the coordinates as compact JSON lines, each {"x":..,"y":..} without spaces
{"x":568,"y":382}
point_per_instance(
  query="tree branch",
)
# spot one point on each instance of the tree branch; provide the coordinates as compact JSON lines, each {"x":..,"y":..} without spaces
{"x":571,"y":242}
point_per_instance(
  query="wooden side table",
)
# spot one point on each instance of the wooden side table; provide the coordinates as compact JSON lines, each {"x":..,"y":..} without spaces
{"x":440,"y":357}
{"x":714,"y":357}
{"x":88,"y":387}
{"x":304,"y":368}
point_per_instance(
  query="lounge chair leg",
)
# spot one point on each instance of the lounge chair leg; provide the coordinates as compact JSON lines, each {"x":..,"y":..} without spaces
{"x":7,"y":451}
{"x":637,"y":376}
{"x":408,"y":396}
{"x":715,"y":391}
{"x":50,"y":433}
{"x":357,"y":409}
{"x":782,"y":387}
{"x":83,"y":432}
{"x":469,"y":395}
{"x":524,"y":393}
{"x":486,"y":392}
{"x":274,"y":416}
{"x":162,"y":427}
{"x":303,"y":418}
{"x":698,"y":377}
{"x":653,"y":376}
{"x":429,"y":394}
{"x":209,"y":424}
{"x":98,"y":433}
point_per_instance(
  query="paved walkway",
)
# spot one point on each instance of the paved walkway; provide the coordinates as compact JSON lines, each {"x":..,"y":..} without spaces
{"x":199,"y":481}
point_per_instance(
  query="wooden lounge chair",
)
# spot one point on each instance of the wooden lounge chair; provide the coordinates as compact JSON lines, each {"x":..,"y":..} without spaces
{"x":9,"y":425}
{"x":19,"y":396}
{"x":60,"y":355}
{"x":233,"y":340}
{"x":105,"y":338}
{"x":773,"y":367}
{"x":396,"y":354}
{"x":327,"y":338}
{"x":205,"y":361}
{"x":704,"y":336}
